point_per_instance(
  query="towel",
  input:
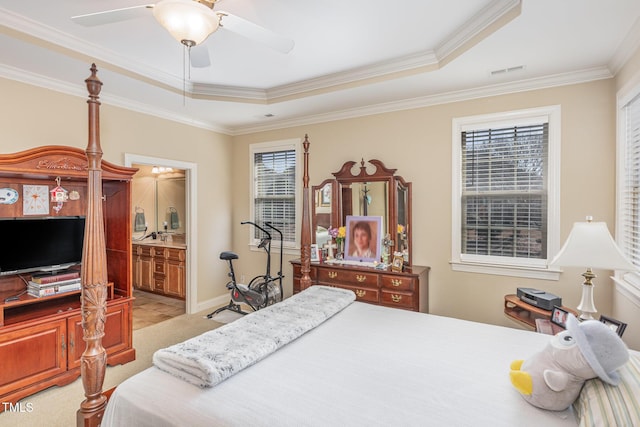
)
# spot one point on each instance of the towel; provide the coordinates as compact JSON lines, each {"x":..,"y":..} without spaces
{"x":173,"y":218}
{"x":140,"y":223}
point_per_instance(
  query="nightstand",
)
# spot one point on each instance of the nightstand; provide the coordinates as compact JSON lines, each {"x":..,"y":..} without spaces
{"x":526,"y":314}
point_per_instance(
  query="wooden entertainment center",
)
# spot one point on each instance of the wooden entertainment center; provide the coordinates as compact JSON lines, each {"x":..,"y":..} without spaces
{"x":41,"y":339}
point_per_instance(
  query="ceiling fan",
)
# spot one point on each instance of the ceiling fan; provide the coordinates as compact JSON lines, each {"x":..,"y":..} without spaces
{"x":191,"y":22}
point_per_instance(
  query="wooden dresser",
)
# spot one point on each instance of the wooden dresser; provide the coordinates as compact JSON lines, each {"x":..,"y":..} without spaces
{"x":408,"y":289}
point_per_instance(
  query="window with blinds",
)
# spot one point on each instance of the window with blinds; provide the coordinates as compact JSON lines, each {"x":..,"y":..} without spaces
{"x":629,"y":191}
{"x":274,"y":191}
{"x":504,"y":191}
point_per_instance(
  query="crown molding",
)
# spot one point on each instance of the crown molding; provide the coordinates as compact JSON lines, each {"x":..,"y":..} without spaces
{"x":80,"y":90}
{"x":564,"y":79}
{"x":626,"y":49}
{"x":472,"y":29}
{"x":483,"y":23}
{"x":35,"y":33}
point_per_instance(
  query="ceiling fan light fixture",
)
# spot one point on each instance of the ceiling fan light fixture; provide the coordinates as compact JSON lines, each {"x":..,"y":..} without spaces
{"x":187,"y":21}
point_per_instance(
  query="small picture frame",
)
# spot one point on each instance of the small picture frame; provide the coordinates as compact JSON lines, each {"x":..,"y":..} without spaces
{"x":315,"y":253}
{"x":616,"y":326}
{"x":397,"y":263}
{"x":559,"y":317}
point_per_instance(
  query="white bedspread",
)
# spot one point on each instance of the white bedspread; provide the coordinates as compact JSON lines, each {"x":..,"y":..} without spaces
{"x":366,"y":366}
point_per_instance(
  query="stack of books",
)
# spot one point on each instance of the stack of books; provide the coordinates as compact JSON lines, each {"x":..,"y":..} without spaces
{"x":43,"y":286}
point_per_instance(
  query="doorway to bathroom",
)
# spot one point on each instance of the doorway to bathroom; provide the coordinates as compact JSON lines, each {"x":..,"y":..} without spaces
{"x":163,"y":244}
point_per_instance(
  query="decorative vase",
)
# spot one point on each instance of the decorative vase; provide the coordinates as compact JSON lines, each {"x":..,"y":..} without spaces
{"x":339,"y":255}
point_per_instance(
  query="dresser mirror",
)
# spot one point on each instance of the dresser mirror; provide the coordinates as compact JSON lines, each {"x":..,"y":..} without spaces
{"x":364,"y":190}
{"x":324,"y":211}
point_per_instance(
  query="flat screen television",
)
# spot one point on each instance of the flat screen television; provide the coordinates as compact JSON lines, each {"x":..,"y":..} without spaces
{"x":40,"y":244}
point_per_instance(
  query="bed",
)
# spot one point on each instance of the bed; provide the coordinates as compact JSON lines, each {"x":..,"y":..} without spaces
{"x":363,"y":366}
{"x":360,"y":365}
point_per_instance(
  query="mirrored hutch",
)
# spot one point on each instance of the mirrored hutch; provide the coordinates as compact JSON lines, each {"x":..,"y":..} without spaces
{"x":367,"y":190}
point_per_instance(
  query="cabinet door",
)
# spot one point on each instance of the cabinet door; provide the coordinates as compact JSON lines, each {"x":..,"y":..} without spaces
{"x":32,"y":354}
{"x":116,"y":337}
{"x":176,"y":274}
{"x":146,"y":272}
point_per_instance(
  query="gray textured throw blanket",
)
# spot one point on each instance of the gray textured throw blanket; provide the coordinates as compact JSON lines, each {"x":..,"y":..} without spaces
{"x":214,"y":356}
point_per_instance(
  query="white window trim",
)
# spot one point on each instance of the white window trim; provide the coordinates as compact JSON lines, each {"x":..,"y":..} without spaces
{"x":290,"y":248}
{"x":526,"y":268}
{"x":628,"y":284}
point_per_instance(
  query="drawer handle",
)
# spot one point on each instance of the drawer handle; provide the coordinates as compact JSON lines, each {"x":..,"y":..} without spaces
{"x":360,"y":293}
{"x":396,"y":298}
{"x":333,"y":274}
{"x":396,"y":282}
{"x":360,"y":278}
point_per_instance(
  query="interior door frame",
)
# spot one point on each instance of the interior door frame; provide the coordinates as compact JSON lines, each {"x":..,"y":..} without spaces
{"x":191,"y":299}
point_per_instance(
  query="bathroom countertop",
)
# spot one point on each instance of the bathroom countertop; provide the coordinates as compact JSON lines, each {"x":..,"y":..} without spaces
{"x":160,"y":243}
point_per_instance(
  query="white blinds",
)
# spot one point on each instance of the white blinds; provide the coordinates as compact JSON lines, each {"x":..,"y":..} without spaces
{"x":274,"y":192}
{"x":504,"y":191}
{"x":631,"y":186}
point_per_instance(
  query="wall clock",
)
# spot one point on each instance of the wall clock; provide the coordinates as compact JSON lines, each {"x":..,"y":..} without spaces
{"x":35,"y":200}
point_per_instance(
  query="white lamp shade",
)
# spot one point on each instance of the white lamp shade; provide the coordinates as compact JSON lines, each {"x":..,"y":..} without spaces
{"x":186,"y":20}
{"x":590,"y":245}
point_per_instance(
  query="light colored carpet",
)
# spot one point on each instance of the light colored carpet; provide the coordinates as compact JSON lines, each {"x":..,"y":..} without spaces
{"x":57,"y":406}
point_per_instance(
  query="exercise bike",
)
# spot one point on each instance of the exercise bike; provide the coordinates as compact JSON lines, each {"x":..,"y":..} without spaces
{"x":262,"y":290}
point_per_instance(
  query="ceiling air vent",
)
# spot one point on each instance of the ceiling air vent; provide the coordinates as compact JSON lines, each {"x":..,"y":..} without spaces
{"x":507,"y":70}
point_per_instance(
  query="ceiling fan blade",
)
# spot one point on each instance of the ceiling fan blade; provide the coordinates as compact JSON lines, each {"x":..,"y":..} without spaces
{"x":255,"y":32}
{"x":114,"y":15}
{"x":199,"y":56}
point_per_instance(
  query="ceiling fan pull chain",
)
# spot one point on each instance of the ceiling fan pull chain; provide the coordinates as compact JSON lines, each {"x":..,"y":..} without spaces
{"x":186,"y":53}
{"x":186,"y":72}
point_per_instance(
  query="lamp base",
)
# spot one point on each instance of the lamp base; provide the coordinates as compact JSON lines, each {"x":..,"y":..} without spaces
{"x":586,"y":307}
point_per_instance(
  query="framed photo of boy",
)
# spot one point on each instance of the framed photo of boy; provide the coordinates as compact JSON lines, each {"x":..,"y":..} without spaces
{"x":362,"y":242}
{"x":559,"y":317}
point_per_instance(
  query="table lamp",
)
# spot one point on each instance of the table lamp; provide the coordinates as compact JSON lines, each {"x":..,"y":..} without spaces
{"x":590,"y":244}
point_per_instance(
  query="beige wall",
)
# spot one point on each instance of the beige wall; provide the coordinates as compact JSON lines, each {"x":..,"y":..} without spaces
{"x":31,"y":116}
{"x":418,"y":143}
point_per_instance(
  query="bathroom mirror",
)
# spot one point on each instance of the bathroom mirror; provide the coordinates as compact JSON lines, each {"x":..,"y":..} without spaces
{"x":158,"y":197}
{"x":170,"y":204}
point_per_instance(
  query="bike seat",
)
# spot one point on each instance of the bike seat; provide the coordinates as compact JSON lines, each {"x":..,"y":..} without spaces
{"x":228,"y":255}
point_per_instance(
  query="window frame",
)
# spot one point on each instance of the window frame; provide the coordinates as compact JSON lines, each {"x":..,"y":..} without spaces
{"x":509,"y":266}
{"x":295,"y":144}
{"x":627,"y":283}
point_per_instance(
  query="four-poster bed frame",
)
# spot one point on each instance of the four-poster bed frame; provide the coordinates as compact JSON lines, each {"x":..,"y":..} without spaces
{"x":94,"y":271}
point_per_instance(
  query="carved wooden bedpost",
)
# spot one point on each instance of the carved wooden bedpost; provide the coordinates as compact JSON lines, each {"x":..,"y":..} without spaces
{"x":93,"y":271}
{"x":305,"y":235}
